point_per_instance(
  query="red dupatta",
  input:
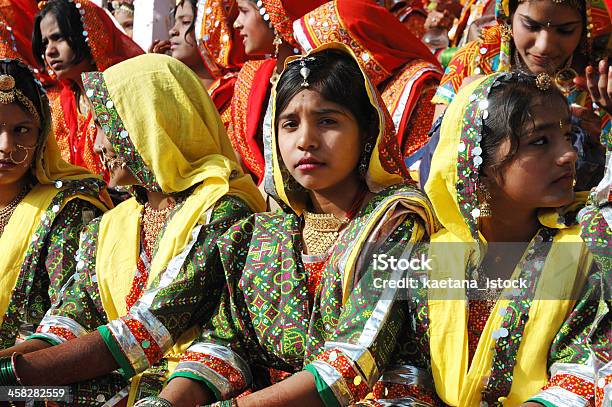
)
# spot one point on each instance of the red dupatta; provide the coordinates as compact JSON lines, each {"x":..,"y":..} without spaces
{"x":402,"y":68}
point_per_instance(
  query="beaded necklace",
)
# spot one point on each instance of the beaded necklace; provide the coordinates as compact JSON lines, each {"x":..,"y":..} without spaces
{"x":7,"y":211}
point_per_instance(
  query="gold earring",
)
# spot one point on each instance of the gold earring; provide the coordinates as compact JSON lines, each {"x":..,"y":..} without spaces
{"x":485,"y":206}
{"x":277,"y":43}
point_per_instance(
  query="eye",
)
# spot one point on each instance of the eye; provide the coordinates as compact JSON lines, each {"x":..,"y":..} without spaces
{"x":187,"y":22}
{"x":289,"y":124}
{"x":539,"y":141}
{"x":328,"y":121}
{"x":531,"y":27}
{"x":22,"y":130}
{"x":566,"y":31}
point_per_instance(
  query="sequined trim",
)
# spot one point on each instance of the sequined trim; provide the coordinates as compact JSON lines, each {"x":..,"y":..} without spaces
{"x":324,"y":25}
{"x":97,"y":92}
{"x":219,"y":366}
{"x":59,"y":327}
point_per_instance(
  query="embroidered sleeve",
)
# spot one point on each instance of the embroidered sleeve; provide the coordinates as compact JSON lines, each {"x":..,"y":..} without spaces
{"x":219,"y":358}
{"x":581,"y":363}
{"x":63,"y":243}
{"x":181,"y":298}
{"x":78,"y":309}
{"x":360,"y":349}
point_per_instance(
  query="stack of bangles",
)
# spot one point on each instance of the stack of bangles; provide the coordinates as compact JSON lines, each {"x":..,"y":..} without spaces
{"x":162,"y":402}
{"x":8,"y":371}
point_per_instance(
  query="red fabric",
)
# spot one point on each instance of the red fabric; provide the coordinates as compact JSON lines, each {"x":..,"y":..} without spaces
{"x":258,"y":99}
{"x":22,"y":22}
{"x":388,"y":40}
{"x":108,"y":44}
{"x":284,"y":12}
{"x":223,"y":92}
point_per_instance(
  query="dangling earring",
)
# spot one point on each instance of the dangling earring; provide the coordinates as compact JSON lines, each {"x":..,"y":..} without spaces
{"x":485,"y":206}
{"x":277,"y":43}
{"x":364,"y":160}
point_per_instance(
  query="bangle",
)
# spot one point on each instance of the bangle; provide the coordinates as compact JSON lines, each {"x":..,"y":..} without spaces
{"x":225,"y":403}
{"x":7,"y":372}
{"x":14,"y":357}
{"x":153,"y":402}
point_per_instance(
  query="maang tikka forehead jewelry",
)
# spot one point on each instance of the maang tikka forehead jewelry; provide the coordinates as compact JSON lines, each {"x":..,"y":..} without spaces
{"x":304,"y":70}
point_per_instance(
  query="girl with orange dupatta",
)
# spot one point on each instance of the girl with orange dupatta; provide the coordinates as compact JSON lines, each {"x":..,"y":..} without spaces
{"x":545,"y":339}
{"x":266,"y":30}
{"x":304,"y":322}
{"x":71,"y":37}
{"x":403,"y":69}
{"x":44,"y":203}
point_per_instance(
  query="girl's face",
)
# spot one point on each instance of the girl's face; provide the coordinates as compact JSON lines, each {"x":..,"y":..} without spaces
{"x":119,"y":173}
{"x":126,"y":20}
{"x":182,"y":40}
{"x":19,"y":134}
{"x":319,"y":141}
{"x":542,"y":172}
{"x":58,"y":54}
{"x":546,"y":34}
{"x":256,"y":34}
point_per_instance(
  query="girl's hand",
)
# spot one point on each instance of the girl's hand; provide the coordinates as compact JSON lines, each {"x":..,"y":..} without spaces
{"x":600,"y":88}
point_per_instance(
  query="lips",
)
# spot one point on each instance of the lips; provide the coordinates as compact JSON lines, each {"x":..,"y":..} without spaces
{"x":545,"y":62}
{"x":56,"y":65}
{"x":309,"y":164}
{"x":567,"y":176}
{"x":7,"y":165}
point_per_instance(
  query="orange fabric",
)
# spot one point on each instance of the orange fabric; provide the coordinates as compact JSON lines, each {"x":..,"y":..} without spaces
{"x":108,"y":45}
{"x":220,"y":45}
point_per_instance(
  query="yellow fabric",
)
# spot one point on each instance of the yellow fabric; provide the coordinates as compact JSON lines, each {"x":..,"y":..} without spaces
{"x":457,"y":382}
{"x":175,"y":128}
{"x":377,"y":176}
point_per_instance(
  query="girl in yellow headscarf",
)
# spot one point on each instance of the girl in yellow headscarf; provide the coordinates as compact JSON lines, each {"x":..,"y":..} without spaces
{"x":533,"y":326}
{"x":304,"y":298}
{"x":44,"y":202}
{"x":148,"y":272}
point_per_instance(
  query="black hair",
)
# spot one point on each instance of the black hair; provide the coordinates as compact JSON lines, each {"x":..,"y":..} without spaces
{"x":194,"y":8}
{"x":509,"y":115}
{"x":70,"y":26}
{"x":26,"y":82}
{"x":337,"y":77}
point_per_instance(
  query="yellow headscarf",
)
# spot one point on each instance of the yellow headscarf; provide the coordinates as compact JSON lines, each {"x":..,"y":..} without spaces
{"x":385,"y":167}
{"x":156,"y":110}
{"x":53,"y":176}
{"x":457,"y":382}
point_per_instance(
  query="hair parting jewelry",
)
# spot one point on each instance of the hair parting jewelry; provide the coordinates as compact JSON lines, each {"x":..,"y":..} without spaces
{"x":304,"y":70}
{"x":9,"y":93}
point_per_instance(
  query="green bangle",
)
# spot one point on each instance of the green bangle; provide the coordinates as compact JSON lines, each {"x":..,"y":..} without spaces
{"x":7,"y":373}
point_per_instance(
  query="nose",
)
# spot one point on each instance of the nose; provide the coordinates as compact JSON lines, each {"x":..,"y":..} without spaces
{"x":51,"y":50}
{"x":308,"y":138}
{"x":6,"y":141}
{"x":545,"y":42}
{"x":237,"y":24}
{"x":173,"y":31}
{"x":98,"y":146}
{"x":567,"y":155}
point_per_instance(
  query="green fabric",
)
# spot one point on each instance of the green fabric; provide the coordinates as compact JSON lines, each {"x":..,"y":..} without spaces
{"x":195,"y":377}
{"x":43,"y":338}
{"x":115,"y":350}
{"x":325,"y":392}
{"x":542,"y":402}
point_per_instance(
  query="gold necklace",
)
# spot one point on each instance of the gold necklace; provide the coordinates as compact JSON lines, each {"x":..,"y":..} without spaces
{"x":321,"y":231}
{"x":153,"y":221}
{"x":7,"y":211}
